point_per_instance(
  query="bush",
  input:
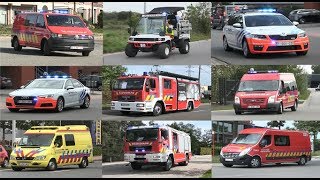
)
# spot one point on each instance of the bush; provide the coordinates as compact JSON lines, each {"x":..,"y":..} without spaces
{"x":205,"y":151}
{"x":97,"y":150}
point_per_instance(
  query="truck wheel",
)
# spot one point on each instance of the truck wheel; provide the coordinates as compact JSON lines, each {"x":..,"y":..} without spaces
{"x":13,"y":110}
{"x":125,"y":112}
{"x":131,"y":51}
{"x":136,"y":166}
{"x":190,"y":106}
{"x":16,"y":45}
{"x":295,"y":106}
{"x":280,"y":109}
{"x":226,"y":46}
{"x":84,"y":163}
{"x":227,"y":165}
{"x":184,"y":47}
{"x":16,"y":168}
{"x":168,"y":164}
{"x":245,"y":49}
{"x":52,"y":165}
{"x":60,"y":104}
{"x":5,"y":163}
{"x":302,"y":21}
{"x":86,"y":103}
{"x":85,"y":53}
{"x":157,"y":110}
{"x":301,"y":53}
{"x":255,"y":162}
{"x":45,"y":48}
{"x":302,"y":161}
{"x":163,"y":51}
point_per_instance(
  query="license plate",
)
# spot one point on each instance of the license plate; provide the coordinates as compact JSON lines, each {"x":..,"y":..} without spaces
{"x":284,"y":43}
{"x":253,"y":106}
{"x":25,"y":101}
{"x":139,"y":156}
{"x":142,"y":45}
{"x":24,"y":164}
{"x":124,"y":104}
{"x":228,"y":159}
{"x":76,"y":47}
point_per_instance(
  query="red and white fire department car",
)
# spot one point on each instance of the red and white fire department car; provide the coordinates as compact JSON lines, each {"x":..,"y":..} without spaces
{"x":158,"y":145}
{"x":155,"y":92}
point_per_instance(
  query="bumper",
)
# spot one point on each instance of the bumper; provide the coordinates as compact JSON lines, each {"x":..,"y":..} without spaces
{"x":145,"y":46}
{"x":57,"y":44}
{"x":132,"y":106}
{"x":258,"y":46}
{"x":268,"y":107}
{"x":41,"y":103}
{"x":29,"y":164}
{"x":244,"y":160}
{"x":146,"y":159}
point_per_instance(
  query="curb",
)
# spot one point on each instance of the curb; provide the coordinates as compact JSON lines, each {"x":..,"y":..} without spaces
{"x":97,"y":158}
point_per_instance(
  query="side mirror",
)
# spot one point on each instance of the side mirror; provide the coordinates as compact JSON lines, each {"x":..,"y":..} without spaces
{"x":295,"y":23}
{"x":70,"y":87}
{"x":22,"y":87}
{"x":237,"y":25}
{"x":129,"y":30}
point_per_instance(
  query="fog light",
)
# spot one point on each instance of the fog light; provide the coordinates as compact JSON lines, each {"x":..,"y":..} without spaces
{"x":140,"y":105}
{"x":112,"y":104}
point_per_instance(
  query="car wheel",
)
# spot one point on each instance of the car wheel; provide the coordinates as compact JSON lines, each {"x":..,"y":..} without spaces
{"x":302,"y":161}
{"x":168,"y":164}
{"x":59,"y":105}
{"x":135,"y":166}
{"x":125,"y":112}
{"x":131,"y":51}
{"x":5,"y":163}
{"x":226,"y":46}
{"x":163,"y":51}
{"x":245,"y":49}
{"x":190,"y":106}
{"x":13,"y":110}
{"x":86,"y":102}
{"x":52,"y":165}
{"x":45,"y":48}
{"x":301,"y":53}
{"x":227,"y":165}
{"x":255,"y":162}
{"x":100,"y":88}
{"x":280,"y":109}
{"x":302,"y":21}
{"x":295,"y":106}
{"x":85,"y":53}
{"x":184,"y":47}
{"x":16,"y":168}
{"x":16,"y":45}
{"x":157,"y":109}
{"x":84,"y":163}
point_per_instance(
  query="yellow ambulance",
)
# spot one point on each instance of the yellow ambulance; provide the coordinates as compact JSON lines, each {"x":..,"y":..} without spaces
{"x":51,"y":147}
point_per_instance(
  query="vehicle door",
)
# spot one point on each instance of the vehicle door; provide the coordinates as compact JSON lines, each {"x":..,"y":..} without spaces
{"x":71,"y":148}
{"x":70,"y":93}
{"x":60,"y":150}
{"x":170,"y":93}
{"x":282,"y":94}
{"x":237,"y":33}
{"x":29,"y":35}
{"x":40,"y":30}
{"x":228,"y":29}
{"x":80,"y":91}
{"x":282,"y":148}
{"x":266,"y":148}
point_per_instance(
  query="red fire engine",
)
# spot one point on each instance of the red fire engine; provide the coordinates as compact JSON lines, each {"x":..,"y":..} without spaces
{"x":158,"y":145}
{"x":155,"y":92}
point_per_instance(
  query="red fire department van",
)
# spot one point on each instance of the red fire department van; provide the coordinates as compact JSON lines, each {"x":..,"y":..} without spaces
{"x":256,"y":146}
{"x":4,"y":158}
{"x":155,"y":92}
{"x":266,"y":91}
{"x":156,"y":145}
{"x":51,"y":32}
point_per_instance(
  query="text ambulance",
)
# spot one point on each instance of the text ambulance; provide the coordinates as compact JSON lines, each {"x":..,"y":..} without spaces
{"x":157,"y":93}
{"x":159,"y":145}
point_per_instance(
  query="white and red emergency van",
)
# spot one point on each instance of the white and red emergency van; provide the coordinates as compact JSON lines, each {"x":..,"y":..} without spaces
{"x":156,"y":145}
{"x":156,"y":92}
{"x":266,"y":91}
{"x":256,"y":146}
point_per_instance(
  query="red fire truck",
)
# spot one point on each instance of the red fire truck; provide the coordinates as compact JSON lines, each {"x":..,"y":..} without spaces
{"x":156,"y":145}
{"x":156,"y":92}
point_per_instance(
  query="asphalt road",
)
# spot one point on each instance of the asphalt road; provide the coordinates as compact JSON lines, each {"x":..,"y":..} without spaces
{"x":310,"y":170}
{"x":92,"y":171}
{"x":219,"y":56}
{"x":74,"y":113}
{"x":202,"y":113}
{"x":197,"y":166}
{"x":199,"y":54}
{"x":32,"y":56}
{"x":309,"y":110}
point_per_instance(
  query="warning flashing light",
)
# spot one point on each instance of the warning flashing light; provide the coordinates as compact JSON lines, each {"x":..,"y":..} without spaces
{"x":267,"y":10}
{"x":252,"y":71}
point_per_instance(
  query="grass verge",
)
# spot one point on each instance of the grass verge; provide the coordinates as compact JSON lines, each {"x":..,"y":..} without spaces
{"x":207,"y":174}
{"x":217,"y":107}
{"x":106,"y":106}
{"x":316,"y":153}
{"x":304,"y":95}
{"x":215,"y":159}
{"x":97,"y":151}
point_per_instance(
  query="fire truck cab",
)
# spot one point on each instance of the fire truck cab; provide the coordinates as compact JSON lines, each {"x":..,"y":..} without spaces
{"x":266,"y":91}
{"x":156,"y":145}
{"x":156,"y":92}
{"x":256,"y":146}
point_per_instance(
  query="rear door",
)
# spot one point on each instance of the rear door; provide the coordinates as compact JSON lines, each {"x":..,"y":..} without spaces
{"x":170,"y":93}
{"x":285,"y":153}
{"x":71,"y":149}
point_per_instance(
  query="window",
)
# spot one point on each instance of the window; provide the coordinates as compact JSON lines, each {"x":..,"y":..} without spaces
{"x":76,"y":83}
{"x":40,"y":21}
{"x":69,"y":140}
{"x":281,"y":140}
{"x":167,"y":84}
{"x":31,"y":20}
{"x":68,"y":83}
{"x":152,"y":83}
{"x":267,"y":138}
{"x":164,"y":134}
{"x":58,"y":141}
{"x":231,"y":20}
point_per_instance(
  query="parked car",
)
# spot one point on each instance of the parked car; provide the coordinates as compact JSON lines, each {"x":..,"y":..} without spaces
{"x":305,"y":15}
{"x":92,"y":81}
{"x":5,"y":82}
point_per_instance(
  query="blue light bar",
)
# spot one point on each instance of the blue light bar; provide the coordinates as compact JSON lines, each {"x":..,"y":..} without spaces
{"x":273,"y":71}
{"x":145,"y":73}
{"x":56,"y":77}
{"x":35,"y":99}
{"x":267,"y":10}
{"x":123,"y":74}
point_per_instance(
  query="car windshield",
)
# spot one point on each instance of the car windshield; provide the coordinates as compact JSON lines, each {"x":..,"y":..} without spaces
{"x":147,"y":134}
{"x":36,"y":140}
{"x":150,"y":25}
{"x":46,"y":84}
{"x":64,"y":20}
{"x":246,"y":139}
{"x":267,"y":20}
{"x":129,"y":84}
{"x":264,"y":85}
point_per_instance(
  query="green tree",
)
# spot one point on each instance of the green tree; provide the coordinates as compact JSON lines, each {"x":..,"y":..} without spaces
{"x":199,"y":17}
{"x":315,"y":69}
{"x":278,"y":124}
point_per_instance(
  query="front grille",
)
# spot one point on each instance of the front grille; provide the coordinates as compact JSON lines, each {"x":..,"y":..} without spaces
{"x":134,"y":148}
{"x":251,"y":100}
{"x":46,"y":105}
{"x":258,"y":48}
{"x":145,"y":39}
{"x":25,"y":158}
{"x":80,"y":37}
{"x":231,"y":155}
{"x":17,"y":98}
{"x":287,"y":37}
{"x":126,"y":98}
{"x":283,"y":48}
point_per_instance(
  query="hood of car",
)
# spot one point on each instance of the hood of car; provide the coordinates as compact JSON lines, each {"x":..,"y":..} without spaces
{"x":147,"y":36}
{"x":28,"y":151}
{"x":70,"y":30}
{"x":34,"y":92}
{"x":256,"y":94}
{"x":274,"y":30}
{"x":235,"y":148}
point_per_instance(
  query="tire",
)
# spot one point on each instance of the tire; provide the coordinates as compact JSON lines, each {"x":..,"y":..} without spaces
{"x":301,"y":53}
{"x":190,"y":106}
{"x":16,"y":45}
{"x":59,"y":105}
{"x":16,"y":168}
{"x":5,"y":163}
{"x":255,"y":162}
{"x":227,"y":165}
{"x":135,"y":166}
{"x":13,"y":110}
{"x":278,"y":164}
{"x":86,"y":103}
{"x":302,"y":21}
{"x":184,"y":47}
{"x":100,"y":88}
{"x":52,"y":165}
{"x":131,"y":51}
{"x":237,"y":112}
{"x":125,"y":112}
{"x":226,"y":46}
{"x":302,"y":161}
{"x":280,"y":109}
{"x":85,"y":53}
{"x":163,"y":51}
{"x":84,"y":163}
{"x":157,"y":109}
{"x":186,"y":162}
{"x":245,"y":49}
{"x":168,"y":164}
{"x":45,"y":48}
{"x":295,"y":106}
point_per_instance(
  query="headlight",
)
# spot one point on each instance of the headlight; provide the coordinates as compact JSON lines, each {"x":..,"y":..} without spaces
{"x":256,"y":36}
{"x":156,"y":157}
{"x":160,"y":39}
{"x":54,"y":35}
{"x":46,"y":96}
{"x":140,"y":105}
{"x":302,"y":34}
{"x":236,"y":100}
{"x":271,"y":99}
{"x":113,"y":104}
{"x":244,"y":152}
{"x":131,"y":39}
{"x":40,"y":158}
{"x":12,"y":157}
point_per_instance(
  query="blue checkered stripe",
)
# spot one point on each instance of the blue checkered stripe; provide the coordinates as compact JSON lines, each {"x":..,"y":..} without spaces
{"x":82,"y":95}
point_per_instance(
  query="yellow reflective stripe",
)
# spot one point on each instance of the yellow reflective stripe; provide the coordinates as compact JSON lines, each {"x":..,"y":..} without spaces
{"x":147,"y":98}
{"x":281,"y":154}
{"x":152,"y":97}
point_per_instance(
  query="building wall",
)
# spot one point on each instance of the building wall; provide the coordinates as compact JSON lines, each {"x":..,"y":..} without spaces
{"x":312,"y":5}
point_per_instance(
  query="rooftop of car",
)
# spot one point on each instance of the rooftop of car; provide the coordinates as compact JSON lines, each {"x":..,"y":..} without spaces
{"x":260,"y":13}
{"x":48,"y":13}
